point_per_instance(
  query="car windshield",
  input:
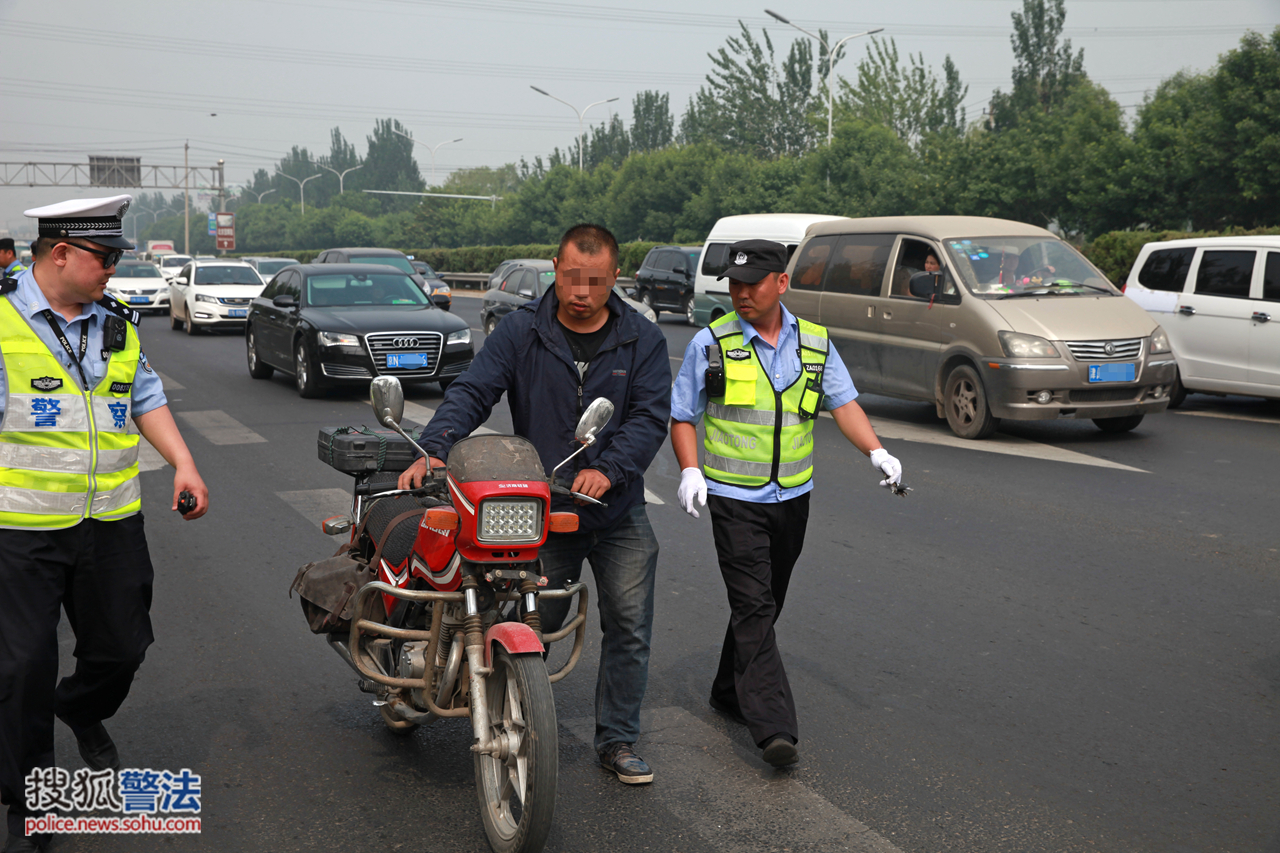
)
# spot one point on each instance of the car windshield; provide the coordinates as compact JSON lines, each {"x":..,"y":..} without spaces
{"x":546,"y":278}
{"x":385,"y":260}
{"x":425,"y":269}
{"x":270,"y":268}
{"x":1001,"y":267}
{"x":361,"y":289}
{"x":136,"y":271}
{"x":175,"y":260}
{"x":226,"y":275}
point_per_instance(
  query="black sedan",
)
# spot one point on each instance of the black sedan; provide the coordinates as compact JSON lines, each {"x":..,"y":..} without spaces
{"x":330,"y":324}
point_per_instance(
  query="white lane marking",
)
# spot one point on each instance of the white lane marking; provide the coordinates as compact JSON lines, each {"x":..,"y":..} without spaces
{"x":1230,"y":416}
{"x":703,"y":779}
{"x":316,"y":505}
{"x":421,"y":414}
{"x":673,"y":358}
{"x":474,"y":329}
{"x":1007,"y":444}
{"x":651,"y":498}
{"x":220,"y":428}
{"x":149,"y":459}
{"x":170,"y":384}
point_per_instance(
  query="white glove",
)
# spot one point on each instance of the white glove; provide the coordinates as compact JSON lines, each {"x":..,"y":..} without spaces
{"x":691,"y":486}
{"x":891,"y":467}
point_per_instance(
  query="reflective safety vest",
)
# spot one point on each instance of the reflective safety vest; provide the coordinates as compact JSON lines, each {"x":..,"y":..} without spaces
{"x":65,"y":454}
{"x":756,"y":434}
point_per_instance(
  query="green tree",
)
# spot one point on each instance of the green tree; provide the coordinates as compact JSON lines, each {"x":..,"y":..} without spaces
{"x":652,"y":126}
{"x":1045,"y":70}
{"x":908,"y":98}
{"x":389,"y":164}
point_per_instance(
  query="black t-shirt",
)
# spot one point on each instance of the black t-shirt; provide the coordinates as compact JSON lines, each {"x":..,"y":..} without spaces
{"x":585,"y":345}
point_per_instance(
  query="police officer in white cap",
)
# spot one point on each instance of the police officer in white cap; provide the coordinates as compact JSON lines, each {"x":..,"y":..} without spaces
{"x":72,"y":375}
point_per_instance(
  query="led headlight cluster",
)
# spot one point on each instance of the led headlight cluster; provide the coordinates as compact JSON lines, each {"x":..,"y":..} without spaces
{"x":518,"y":520}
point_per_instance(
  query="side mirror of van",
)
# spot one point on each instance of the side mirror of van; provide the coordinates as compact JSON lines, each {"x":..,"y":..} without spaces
{"x":925,"y":285}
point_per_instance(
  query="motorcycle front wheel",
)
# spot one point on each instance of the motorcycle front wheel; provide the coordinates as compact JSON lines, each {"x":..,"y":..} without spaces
{"x":518,"y":789}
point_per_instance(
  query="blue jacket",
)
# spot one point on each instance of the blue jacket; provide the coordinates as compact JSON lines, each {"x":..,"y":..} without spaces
{"x":528,"y":358}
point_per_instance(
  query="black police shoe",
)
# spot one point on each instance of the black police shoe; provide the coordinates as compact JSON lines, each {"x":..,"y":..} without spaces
{"x":96,"y":748}
{"x":780,"y":752}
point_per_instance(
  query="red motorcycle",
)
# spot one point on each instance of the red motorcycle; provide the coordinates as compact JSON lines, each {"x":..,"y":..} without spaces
{"x":434,"y":602}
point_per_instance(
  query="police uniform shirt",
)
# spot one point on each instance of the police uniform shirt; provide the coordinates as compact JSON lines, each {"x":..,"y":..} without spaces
{"x":689,"y":393}
{"x":9,"y":271}
{"x":147,"y":392}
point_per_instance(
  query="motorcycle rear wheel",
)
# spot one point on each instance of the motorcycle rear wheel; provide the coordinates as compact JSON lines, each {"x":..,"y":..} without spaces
{"x":518,"y":793}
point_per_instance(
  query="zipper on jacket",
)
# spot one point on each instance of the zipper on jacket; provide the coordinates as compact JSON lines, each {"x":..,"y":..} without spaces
{"x":777,"y":434}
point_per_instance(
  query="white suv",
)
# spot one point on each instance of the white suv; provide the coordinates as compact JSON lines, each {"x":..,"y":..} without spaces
{"x":1218,"y":298}
{"x":211,"y":294}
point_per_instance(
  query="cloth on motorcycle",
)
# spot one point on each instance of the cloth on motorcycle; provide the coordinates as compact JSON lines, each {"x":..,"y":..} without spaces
{"x":528,"y":358}
{"x":327,"y":588}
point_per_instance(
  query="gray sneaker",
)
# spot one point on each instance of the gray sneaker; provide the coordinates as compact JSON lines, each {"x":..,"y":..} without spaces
{"x":621,"y":758}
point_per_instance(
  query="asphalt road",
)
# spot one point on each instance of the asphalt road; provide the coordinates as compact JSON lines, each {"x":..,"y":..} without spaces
{"x":1060,"y":641}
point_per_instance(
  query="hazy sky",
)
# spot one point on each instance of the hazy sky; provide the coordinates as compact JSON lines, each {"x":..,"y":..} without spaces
{"x":139,"y":77}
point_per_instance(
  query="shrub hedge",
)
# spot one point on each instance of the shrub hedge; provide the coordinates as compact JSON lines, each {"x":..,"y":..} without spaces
{"x":484,"y":258}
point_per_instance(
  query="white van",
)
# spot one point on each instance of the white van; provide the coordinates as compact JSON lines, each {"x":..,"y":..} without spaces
{"x":1218,"y":298}
{"x":711,"y":297}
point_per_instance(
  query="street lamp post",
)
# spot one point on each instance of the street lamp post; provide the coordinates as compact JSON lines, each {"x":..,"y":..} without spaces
{"x":831,"y":58}
{"x":341,"y":175}
{"x":136,"y":209}
{"x":429,"y":148}
{"x":581,"y":113}
{"x":302,"y":187}
{"x":258,"y":196}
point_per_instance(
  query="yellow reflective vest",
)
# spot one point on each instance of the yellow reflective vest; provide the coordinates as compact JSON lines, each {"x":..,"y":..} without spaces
{"x":756,"y":434}
{"x":65,"y":454}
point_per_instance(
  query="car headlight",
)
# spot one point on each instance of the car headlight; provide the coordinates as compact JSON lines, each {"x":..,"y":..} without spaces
{"x":650,"y":315}
{"x":1018,"y":345}
{"x":1160,"y":341}
{"x":462,"y":336}
{"x":440,"y":288}
{"x":514,"y":520}
{"x":202,"y":297}
{"x":333,"y":339}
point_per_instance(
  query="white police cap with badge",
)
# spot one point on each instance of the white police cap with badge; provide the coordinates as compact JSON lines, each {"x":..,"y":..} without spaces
{"x":97,"y":219}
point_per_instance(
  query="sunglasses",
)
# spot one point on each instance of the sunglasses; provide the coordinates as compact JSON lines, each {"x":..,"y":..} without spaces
{"x":109,"y":259}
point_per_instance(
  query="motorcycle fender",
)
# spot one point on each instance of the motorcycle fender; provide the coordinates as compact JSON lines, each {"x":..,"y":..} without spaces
{"x":516,"y":637}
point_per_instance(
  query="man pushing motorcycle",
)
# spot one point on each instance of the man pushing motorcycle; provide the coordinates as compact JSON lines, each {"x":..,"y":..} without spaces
{"x":552,"y":357}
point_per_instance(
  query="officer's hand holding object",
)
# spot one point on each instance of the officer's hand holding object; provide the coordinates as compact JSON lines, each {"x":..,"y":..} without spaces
{"x":888,"y":465}
{"x":692,"y":485}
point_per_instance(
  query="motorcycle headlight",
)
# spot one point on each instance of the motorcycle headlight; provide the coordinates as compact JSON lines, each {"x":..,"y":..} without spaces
{"x":1160,"y":341}
{"x":333,"y":339}
{"x":1018,"y":345}
{"x":462,"y":336}
{"x":203,"y":297}
{"x":510,"y":520}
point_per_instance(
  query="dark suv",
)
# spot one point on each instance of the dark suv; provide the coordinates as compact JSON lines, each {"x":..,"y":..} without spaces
{"x":664,"y":281}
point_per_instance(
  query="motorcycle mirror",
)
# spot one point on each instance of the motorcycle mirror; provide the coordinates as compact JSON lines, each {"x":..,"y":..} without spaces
{"x":593,"y":420}
{"x":387,"y":398}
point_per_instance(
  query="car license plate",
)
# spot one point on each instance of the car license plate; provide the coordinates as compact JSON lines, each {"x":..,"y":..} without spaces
{"x":237,"y":312}
{"x":1112,"y":372}
{"x":140,"y":299}
{"x":407,"y":360}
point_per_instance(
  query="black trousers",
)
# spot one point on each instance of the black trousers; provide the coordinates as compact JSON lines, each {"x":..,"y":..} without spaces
{"x":757,"y":545}
{"x":100,"y":572}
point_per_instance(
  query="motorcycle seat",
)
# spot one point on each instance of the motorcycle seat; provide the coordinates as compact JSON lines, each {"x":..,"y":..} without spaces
{"x":399,"y":543}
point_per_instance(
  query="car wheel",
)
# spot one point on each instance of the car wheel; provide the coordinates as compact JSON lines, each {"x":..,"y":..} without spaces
{"x":257,"y":369}
{"x":304,"y":373}
{"x":1115,"y":425}
{"x":688,"y":311}
{"x":647,"y":299}
{"x":174,"y":322}
{"x":716,"y":314}
{"x":965,"y":402}
{"x":1177,"y":391}
{"x":445,"y":383}
{"x":191,"y":324}
{"x":490,"y":325}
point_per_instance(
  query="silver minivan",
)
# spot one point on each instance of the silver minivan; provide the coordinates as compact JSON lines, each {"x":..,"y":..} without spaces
{"x":985,"y":318}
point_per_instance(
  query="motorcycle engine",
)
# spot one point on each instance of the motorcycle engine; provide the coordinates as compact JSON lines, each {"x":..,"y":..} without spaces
{"x":412,"y":664}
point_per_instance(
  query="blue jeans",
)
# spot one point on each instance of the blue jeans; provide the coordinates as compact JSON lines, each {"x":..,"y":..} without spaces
{"x":624,"y":559}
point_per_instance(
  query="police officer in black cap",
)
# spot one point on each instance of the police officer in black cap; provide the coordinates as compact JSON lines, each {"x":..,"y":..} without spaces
{"x":72,"y":376}
{"x":759,"y":377}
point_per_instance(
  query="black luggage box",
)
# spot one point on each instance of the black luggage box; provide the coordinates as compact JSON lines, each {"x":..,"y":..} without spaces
{"x":364,"y":450}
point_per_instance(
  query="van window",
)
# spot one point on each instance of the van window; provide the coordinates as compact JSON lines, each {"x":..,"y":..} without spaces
{"x":1225,"y":274}
{"x":911,"y":260}
{"x":715,"y":259}
{"x":1271,"y":278}
{"x":858,"y":263}
{"x":1166,"y":269}
{"x":813,"y":263}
